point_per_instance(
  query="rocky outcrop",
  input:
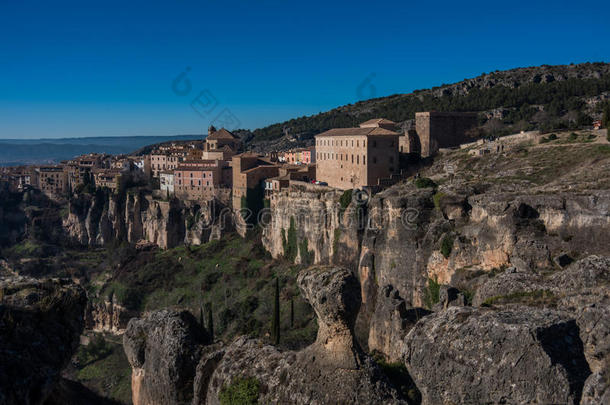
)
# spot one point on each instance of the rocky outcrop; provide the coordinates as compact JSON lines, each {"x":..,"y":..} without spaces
{"x":107,"y":316}
{"x":171,"y":365}
{"x":40,"y":325}
{"x":105,"y":217}
{"x":332,"y":370}
{"x":311,"y":219}
{"x":457,"y":234}
{"x":522,"y":355}
{"x":392,"y":321}
{"x":163,"y":350}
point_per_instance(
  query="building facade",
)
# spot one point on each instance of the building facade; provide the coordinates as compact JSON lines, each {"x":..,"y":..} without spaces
{"x":437,"y":130}
{"x":348,"y":158}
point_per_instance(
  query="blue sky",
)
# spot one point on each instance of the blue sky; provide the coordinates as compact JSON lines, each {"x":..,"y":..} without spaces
{"x":105,"y":68}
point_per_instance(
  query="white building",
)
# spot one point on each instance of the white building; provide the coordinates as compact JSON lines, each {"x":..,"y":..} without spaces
{"x":166,"y":182}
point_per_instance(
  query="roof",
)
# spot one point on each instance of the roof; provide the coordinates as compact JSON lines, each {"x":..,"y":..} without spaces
{"x":358,"y":131}
{"x":377,"y":121}
{"x":221,"y":134}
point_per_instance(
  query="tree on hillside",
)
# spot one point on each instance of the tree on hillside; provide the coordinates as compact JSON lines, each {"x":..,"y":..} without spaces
{"x":275,"y":324}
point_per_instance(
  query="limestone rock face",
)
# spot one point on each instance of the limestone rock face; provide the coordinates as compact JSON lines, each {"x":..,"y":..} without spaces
{"x":522,"y":355}
{"x":316,"y":218}
{"x":486,"y":232}
{"x":163,"y":350}
{"x":101,"y":218}
{"x":332,"y":370}
{"x":107,"y":316}
{"x":392,"y":321}
{"x":172,"y":365}
{"x":40,"y":325}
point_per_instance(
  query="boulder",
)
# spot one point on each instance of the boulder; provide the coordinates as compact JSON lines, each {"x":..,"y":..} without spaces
{"x":163,"y":350}
{"x":477,"y":355}
{"x":40,"y":325}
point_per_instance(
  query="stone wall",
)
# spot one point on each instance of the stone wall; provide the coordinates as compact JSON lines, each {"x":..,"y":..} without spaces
{"x":442,"y":130}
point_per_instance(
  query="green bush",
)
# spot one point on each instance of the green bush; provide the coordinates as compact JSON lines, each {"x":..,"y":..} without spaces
{"x":432,"y":293}
{"x":344,"y":201}
{"x":241,"y":391}
{"x":424,"y":182}
{"x":573,"y":136}
{"x":290,"y":247}
{"x":437,"y":200}
{"x":446,"y":246}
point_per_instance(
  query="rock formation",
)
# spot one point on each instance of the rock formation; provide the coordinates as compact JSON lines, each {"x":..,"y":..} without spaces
{"x":318,"y":222}
{"x":163,"y":350}
{"x":40,"y":325}
{"x":522,"y":355}
{"x":332,"y":370}
{"x":102,"y":218}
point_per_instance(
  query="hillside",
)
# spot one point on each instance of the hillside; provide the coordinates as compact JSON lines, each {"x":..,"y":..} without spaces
{"x":544,"y":97}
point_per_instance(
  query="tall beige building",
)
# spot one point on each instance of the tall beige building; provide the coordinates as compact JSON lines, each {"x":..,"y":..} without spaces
{"x":348,"y":158}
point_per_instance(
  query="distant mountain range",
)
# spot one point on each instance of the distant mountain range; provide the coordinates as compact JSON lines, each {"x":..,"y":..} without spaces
{"x":40,"y":151}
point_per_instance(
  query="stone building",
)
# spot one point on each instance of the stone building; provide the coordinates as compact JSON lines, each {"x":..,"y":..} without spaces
{"x":220,"y":144}
{"x":435,"y":130}
{"x":249,"y":170}
{"x":52,"y":180}
{"x":348,"y":158}
{"x":166,"y":182}
{"x":107,"y":178}
{"x":198,"y":180}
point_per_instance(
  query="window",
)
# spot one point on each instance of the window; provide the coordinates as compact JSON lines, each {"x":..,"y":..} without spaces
{"x":364,"y":144}
{"x":363,"y":159}
{"x":357,"y":143}
{"x":352,"y":158}
{"x":357,"y":159}
{"x":352,"y":143}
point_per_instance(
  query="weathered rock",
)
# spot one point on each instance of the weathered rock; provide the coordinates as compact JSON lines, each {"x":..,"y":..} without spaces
{"x":40,"y":325}
{"x":332,"y":370}
{"x":522,"y":355}
{"x":107,"y":316}
{"x":163,"y":350}
{"x":391,"y":324}
{"x":316,"y":216}
{"x":101,"y":218}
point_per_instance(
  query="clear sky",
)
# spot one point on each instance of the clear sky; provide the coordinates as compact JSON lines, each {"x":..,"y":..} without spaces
{"x":106,"y":68}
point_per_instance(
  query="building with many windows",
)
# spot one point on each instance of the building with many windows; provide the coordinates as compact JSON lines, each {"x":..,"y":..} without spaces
{"x":348,"y":158}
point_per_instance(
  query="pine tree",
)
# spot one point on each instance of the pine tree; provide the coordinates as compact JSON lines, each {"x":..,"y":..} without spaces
{"x":210,"y":323}
{"x":275,"y":324}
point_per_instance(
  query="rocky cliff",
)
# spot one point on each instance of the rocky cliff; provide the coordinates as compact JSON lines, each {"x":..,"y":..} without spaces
{"x":332,"y":370}
{"x":103,"y":218}
{"x":412,"y":247}
{"x":40,"y":325}
{"x":309,"y":225}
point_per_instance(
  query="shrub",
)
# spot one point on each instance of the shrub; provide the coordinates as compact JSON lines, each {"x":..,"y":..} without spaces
{"x":241,"y":391}
{"x":344,"y":201}
{"x":432,"y":293}
{"x":290,"y":247}
{"x":446,"y":246}
{"x":437,"y":199}
{"x":424,"y":182}
{"x":552,"y":137}
{"x":573,"y":136}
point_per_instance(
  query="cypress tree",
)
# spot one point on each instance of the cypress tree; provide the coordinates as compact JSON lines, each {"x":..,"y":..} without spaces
{"x":291,"y":313}
{"x":275,"y":324}
{"x":210,"y":323}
